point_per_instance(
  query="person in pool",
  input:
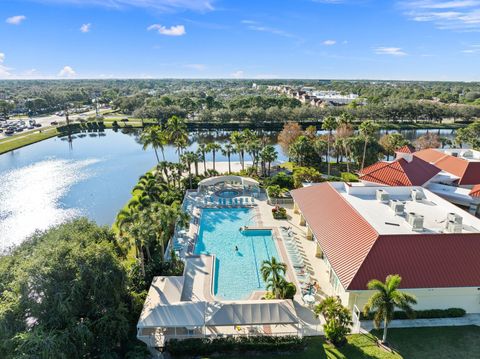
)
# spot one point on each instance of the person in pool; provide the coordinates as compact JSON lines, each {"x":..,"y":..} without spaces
{"x":236,"y":248}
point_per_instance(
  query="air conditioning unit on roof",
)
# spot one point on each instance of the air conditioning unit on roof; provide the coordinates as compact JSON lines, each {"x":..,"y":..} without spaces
{"x":382,"y":195}
{"x":452,"y":227}
{"x":397,"y":206}
{"x":417,"y":195}
{"x":455,"y":218}
{"x":416,"y":221}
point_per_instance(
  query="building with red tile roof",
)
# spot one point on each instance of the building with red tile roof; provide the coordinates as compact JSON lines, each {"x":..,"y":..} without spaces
{"x":461,"y":163}
{"x":366,"y":232}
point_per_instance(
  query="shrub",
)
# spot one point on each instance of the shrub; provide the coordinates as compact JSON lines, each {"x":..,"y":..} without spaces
{"x":305,"y":174}
{"x":425,"y":314}
{"x":349,"y":177}
{"x":206,"y":346}
{"x":289,"y":291}
{"x":281,"y":179}
{"x":279,"y":213}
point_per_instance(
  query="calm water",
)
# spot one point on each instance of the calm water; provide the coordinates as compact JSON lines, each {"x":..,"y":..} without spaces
{"x":237,"y":273}
{"x":52,"y":181}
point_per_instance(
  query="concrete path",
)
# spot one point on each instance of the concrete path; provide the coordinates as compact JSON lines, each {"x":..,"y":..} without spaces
{"x":469,"y":319}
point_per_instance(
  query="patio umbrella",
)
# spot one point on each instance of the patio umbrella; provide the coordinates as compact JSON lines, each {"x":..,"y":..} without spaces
{"x":310,"y":299}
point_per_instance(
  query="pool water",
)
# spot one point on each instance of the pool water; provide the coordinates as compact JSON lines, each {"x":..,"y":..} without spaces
{"x":227,"y":193}
{"x":237,"y":273}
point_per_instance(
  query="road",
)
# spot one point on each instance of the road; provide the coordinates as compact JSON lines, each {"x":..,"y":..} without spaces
{"x":46,"y":121}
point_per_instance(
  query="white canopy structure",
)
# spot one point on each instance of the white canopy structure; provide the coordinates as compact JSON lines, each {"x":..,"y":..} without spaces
{"x":245,"y":183}
{"x":165,"y":316}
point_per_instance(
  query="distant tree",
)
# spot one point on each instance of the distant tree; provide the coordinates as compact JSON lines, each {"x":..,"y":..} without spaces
{"x":290,"y":133}
{"x":305,"y":174}
{"x":367,"y":129}
{"x":386,"y":298}
{"x":329,"y":124}
{"x":429,"y":140}
{"x":391,"y":142}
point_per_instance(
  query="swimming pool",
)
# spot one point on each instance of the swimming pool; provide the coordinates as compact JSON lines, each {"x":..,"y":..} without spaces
{"x":237,"y":273}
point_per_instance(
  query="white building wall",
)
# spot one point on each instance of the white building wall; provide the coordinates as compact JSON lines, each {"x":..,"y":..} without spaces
{"x":429,"y":298}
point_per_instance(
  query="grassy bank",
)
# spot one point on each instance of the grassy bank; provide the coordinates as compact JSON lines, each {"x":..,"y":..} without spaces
{"x":409,"y":343}
{"x":25,"y":139}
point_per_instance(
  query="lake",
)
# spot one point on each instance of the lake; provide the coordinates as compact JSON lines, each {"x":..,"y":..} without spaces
{"x":52,"y":181}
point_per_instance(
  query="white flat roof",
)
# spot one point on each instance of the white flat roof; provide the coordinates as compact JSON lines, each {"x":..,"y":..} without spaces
{"x":464,"y":153}
{"x":382,"y":218}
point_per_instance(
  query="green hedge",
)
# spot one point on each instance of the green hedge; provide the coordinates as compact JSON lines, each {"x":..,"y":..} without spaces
{"x":205,"y":346}
{"x":425,"y":314}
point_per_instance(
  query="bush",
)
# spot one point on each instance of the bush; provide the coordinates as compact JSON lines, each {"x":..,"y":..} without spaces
{"x":281,"y":179}
{"x":279,"y":213}
{"x":206,"y":346}
{"x":289,"y":291}
{"x":349,"y":177}
{"x":425,"y":314}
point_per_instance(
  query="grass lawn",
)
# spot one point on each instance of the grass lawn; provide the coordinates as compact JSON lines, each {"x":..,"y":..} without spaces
{"x":24,"y":139}
{"x":410,"y":343}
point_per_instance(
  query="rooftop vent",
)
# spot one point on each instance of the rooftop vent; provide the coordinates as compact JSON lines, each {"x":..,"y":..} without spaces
{"x":453,"y":227}
{"x":468,"y":154}
{"x":454,"y":154}
{"x":416,"y":221}
{"x":397,"y":206}
{"x":417,"y":195}
{"x":382,"y":195}
{"x":455,"y":218}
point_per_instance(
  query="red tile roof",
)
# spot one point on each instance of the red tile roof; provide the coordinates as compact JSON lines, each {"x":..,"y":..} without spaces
{"x":357,"y":253}
{"x":344,"y":235}
{"x":406,"y":149}
{"x":467,"y":171}
{"x":400,"y":172}
{"x":475,"y":192}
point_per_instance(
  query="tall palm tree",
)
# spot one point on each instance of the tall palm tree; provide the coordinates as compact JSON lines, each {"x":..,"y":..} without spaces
{"x":253,"y":148}
{"x":238,"y":140}
{"x":228,"y":150}
{"x":202,"y":151}
{"x":268,"y":155}
{"x":367,"y":130}
{"x":187,"y":159}
{"x":329,"y":124}
{"x":213,"y":147}
{"x":273,"y":273}
{"x":177,"y":133}
{"x":154,"y":136}
{"x":386,"y":298}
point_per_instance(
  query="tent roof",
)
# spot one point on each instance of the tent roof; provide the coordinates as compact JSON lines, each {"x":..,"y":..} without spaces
{"x":183,"y":314}
{"x":251,"y":313}
{"x":219,"y":179}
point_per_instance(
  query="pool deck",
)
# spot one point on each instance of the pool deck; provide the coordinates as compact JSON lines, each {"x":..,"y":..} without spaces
{"x":200,"y":268}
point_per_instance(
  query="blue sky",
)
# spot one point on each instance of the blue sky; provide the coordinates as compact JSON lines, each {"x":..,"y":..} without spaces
{"x":339,"y":39}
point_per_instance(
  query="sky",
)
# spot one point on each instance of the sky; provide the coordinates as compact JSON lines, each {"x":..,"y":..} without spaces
{"x":255,"y":39}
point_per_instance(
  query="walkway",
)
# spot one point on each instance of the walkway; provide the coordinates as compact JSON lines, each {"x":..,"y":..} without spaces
{"x":469,"y":319}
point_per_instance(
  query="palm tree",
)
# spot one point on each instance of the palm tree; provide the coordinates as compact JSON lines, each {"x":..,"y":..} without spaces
{"x":154,"y":136}
{"x":253,"y":148}
{"x":202,"y":151}
{"x":329,"y":124}
{"x":177,"y":133}
{"x":238,"y":140}
{"x":268,"y":155}
{"x":213,"y":147}
{"x":187,"y":159}
{"x":273,"y":273}
{"x":367,"y":130}
{"x":386,"y":299}
{"x":228,"y":150}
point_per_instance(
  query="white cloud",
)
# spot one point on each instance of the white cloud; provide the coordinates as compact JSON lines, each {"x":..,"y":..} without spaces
{"x":461,"y":15}
{"x":67,"y":71}
{"x":329,"y":42}
{"x":198,"y":67}
{"x":237,"y":74}
{"x":16,"y":20}
{"x":85,"y":28}
{"x":2,"y":57}
{"x":270,"y":30}
{"x":158,"y":5}
{"x":393,"y":51}
{"x":177,"y":30}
